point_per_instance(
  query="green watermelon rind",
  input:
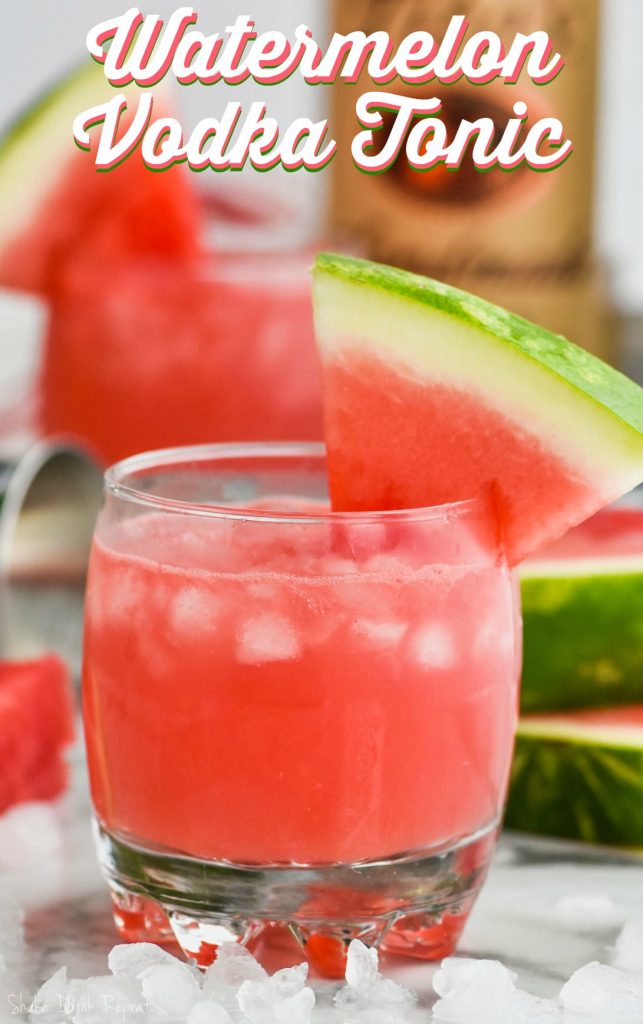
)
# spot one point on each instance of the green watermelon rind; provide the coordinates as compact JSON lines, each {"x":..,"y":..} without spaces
{"x":75,"y":81}
{"x":583,"y":783}
{"x":38,"y":142}
{"x":557,"y":401}
{"x":583,"y":638}
{"x":574,"y":365}
{"x":33,"y":145}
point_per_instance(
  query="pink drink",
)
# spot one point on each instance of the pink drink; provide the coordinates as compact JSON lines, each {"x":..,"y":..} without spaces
{"x":313,"y":690}
{"x":148,"y":354}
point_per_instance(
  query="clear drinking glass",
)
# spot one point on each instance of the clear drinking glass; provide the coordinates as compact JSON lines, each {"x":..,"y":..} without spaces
{"x":146,"y":354}
{"x":293,"y":716}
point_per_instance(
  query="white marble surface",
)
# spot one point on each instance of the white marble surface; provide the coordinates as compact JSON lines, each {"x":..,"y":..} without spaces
{"x":517,"y":918}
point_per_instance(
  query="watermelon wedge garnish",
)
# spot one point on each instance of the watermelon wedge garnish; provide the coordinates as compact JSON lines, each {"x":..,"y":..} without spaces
{"x":66,"y":207}
{"x":36,"y":726}
{"x":433,"y":395}
{"x":582,"y":604}
{"x":580,"y":776}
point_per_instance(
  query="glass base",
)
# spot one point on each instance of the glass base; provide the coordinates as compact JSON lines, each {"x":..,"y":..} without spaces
{"x":414,"y":905}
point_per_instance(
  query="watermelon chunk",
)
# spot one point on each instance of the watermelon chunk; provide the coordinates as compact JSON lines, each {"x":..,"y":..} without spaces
{"x":582,"y":601}
{"x":580,"y":776}
{"x":36,"y":725}
{"x":66,"y":207}
{"x":433,"y":395}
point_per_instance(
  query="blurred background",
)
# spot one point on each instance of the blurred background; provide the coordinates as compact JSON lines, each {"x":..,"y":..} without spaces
{"x":55,"y":39}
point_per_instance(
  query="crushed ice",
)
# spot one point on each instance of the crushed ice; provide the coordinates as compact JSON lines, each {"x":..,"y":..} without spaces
{"x":628,"y":949}
{"x":129,"y":961}
{"x":30,"y":834}
{"x":485,"y":992}
{"x":147,"y":985}
{"x":283,"y":998}
{"x":598,"y":992}
{"x":170,"y":989}
{"x":365,"y":987}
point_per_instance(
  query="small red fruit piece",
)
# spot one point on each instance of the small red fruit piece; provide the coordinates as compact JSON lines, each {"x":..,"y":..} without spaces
{"x":326,"y":955}
{"x":36,"y":725}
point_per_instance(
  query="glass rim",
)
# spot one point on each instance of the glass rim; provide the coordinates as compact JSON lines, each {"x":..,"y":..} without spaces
{"x":117,"y":485}
{"x":209,"y":265}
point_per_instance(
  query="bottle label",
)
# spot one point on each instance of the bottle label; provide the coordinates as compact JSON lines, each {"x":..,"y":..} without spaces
{"x":451,"y":223}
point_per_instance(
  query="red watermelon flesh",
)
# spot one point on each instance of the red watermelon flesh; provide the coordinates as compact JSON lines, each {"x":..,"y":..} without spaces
{"x":433,"y":396}
{"x":112,"y":220}
{"x":36,"y":725}
{"x":69,"y":209}
{"x":431,"y":425}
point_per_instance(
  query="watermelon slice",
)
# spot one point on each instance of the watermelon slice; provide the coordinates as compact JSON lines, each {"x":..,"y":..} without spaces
{"x":64,"y":206}
{"x":36,"y":724}
{"x":433,"y":395}
{"x":582,"y":600}
{"x":580,"y":776}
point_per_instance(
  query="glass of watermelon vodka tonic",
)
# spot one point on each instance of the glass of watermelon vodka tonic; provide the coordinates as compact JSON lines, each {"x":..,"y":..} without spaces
{"x":293,"y":716}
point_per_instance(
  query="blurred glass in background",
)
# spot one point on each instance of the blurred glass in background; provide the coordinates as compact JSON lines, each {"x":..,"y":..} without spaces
{"x":178,"y":304}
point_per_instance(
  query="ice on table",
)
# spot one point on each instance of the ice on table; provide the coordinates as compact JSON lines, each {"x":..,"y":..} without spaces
{"x":131,"y":959}
{"x":362,"y":967}
{"x":628,"y":949}
{"x":234,"y":965}
{"x":51,"y":998}
{"x":209,"y":1012}
{"x":282,"y":998}
{"x":365,"y":987}
{"x":170,"y":988}
{"x":107,"y":1000}
{"x":604,"y":994}
{"x":485,"y":992}
{"x":470,"y":989}
{"x":104,"y":1000}
{"x":149,"y":986}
